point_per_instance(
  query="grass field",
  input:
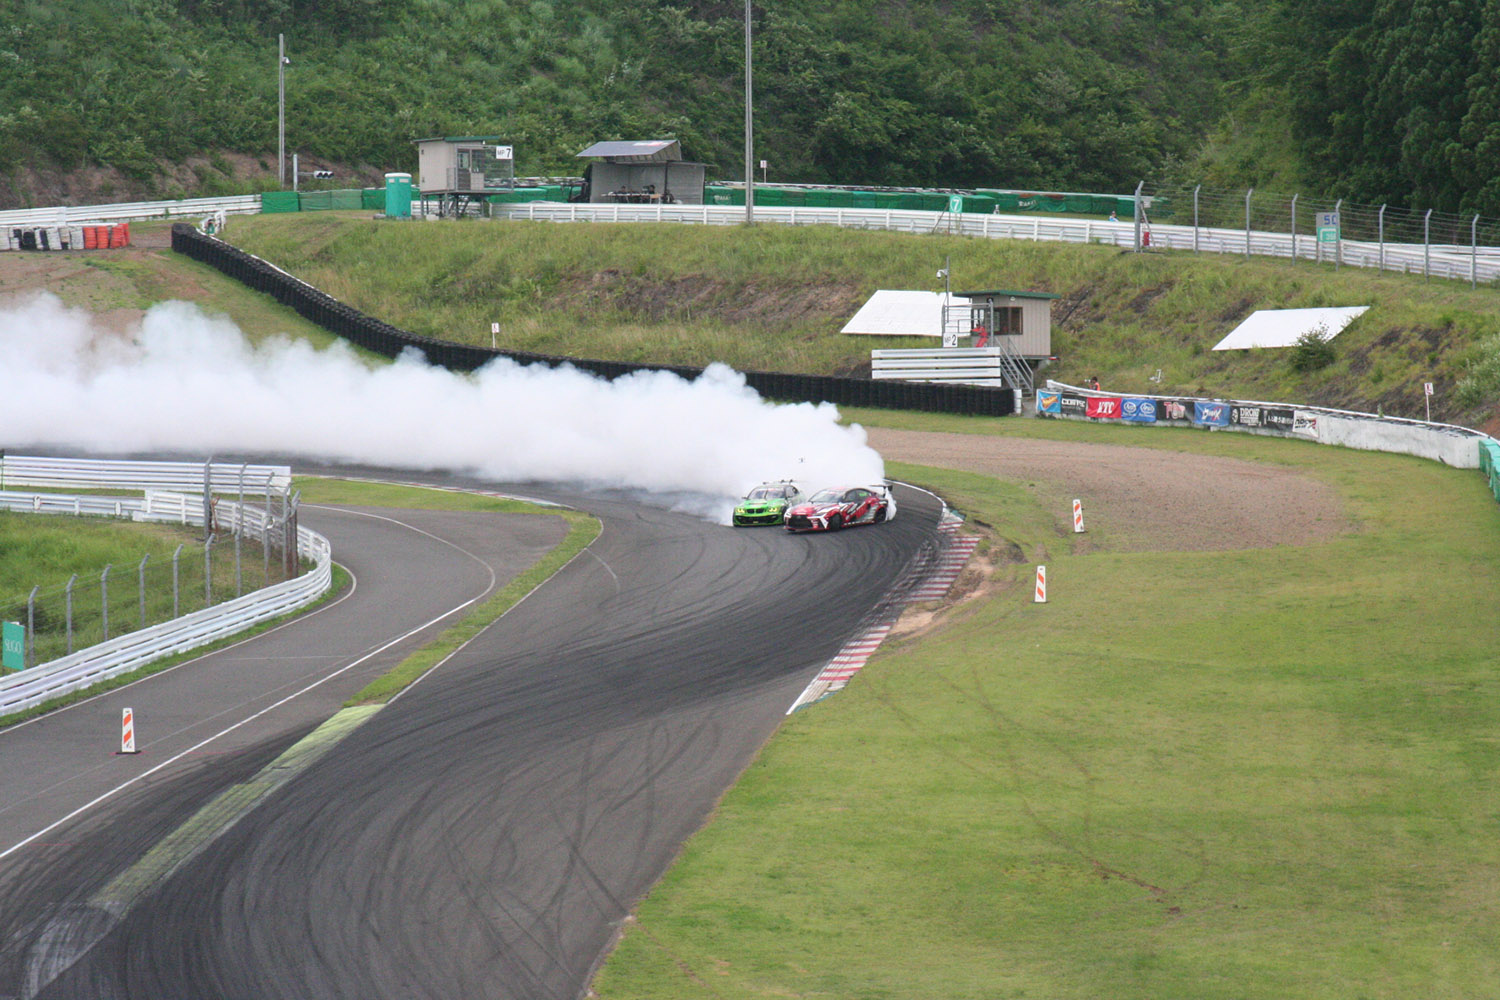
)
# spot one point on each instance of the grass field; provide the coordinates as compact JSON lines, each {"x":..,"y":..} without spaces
{"x":1254,"y":774}
{"x":773,"y":298}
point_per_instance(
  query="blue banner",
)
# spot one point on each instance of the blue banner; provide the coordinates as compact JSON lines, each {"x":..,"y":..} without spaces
{"x":1211,"y":414}
{"x":1048,"y":401}
{"x":1141,"y":411}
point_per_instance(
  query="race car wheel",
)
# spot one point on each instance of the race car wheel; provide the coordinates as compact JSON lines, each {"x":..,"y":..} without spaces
{"x":835,"y":522}
{"x":879,"y":516}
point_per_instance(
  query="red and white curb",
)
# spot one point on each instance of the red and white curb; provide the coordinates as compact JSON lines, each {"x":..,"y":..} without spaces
{"x":954,"y":554}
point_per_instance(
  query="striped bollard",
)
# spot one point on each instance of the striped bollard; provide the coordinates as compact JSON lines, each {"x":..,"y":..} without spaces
{"x":127,"y":732}
{"x":1077,"y":517}
{"x":1041,"y":585}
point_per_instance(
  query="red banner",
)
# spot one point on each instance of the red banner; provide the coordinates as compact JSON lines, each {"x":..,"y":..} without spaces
{"x":1104,"y":407}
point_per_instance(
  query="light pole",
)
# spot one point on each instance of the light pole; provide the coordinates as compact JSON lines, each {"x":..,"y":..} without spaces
{"x":281,"y":61}
{"x":749,"y":131}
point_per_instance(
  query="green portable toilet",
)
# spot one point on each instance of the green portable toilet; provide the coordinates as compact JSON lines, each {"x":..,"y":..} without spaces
{"x":398,"y":196}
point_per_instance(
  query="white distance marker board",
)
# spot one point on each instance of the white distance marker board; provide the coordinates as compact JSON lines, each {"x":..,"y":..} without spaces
{"x":1282,"y":327}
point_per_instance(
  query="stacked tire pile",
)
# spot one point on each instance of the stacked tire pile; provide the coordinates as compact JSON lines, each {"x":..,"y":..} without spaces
{"x":382,"y":338}
{"x":85,"y":237}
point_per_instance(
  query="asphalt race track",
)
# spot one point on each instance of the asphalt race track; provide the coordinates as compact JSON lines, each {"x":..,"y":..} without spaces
{"x":485,"y":833}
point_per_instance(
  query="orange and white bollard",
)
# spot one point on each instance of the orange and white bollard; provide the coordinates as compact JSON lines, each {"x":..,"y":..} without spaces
{"x":1041,"y":585}
{"x":1077,"y":517}
{"x":127,"y":732}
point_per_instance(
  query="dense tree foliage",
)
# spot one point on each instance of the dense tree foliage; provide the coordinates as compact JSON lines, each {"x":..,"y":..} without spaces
{"x":1392,"y":101}
{"x":1070,"y":93}
{"x":1375,"y":100}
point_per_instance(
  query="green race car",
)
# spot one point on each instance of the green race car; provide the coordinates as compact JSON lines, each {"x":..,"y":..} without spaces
{"x":766,"y":504}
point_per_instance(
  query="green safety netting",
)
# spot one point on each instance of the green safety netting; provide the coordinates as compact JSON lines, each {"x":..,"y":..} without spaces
{"x":372,"y":198}
{"x":279,"y":201}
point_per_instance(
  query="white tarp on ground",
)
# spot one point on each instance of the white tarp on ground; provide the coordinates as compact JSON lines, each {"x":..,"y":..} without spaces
{"x":899,"y":314}
{"x":1282,"y":327}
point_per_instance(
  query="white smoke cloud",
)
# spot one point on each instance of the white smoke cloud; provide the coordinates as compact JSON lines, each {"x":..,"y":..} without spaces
{"x":188,"y":382}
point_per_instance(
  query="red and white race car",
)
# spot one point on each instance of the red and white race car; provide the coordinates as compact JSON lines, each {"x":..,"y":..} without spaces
{"x":832,"y":509}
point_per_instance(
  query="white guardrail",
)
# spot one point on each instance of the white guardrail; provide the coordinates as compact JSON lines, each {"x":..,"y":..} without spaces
{"x":1458,"y":263}
{"x":127,"y":652}
{"x":67,"y":215}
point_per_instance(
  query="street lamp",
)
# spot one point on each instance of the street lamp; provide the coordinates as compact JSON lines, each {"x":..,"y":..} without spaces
{"x":281,"y":64}
{"x":749,"y":130}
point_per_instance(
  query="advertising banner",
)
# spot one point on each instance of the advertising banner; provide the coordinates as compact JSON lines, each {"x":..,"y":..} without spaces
{"x":1140,"y":411}
{"x":1103,"y":407}
{"x":1048,"y":401}
{"x":1305,"y":424}
{"x":1211,"y":414}
{"x":1274,"y":418}
{"x":13,"y":644}
{"x":1175,"y":409}
{"x":1074,"y":406}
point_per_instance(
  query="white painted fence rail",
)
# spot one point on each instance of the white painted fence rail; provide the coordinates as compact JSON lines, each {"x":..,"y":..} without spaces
{"x":1458,"y":263}
{"x":960,"y":365}
{"x":127,"y":652}
{"x":89,"y":473}
{"x":64,"y":215}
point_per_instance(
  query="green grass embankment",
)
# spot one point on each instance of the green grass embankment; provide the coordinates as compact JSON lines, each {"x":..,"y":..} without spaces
{"x":1196,"y":775}
{"x":774,"y":298}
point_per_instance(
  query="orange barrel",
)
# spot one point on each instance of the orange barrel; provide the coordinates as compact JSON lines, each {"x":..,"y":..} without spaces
{"x":124,"y":234}
{"x":90,"y":238}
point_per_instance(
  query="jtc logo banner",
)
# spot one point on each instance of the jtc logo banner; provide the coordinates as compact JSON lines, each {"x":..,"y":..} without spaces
{"x":1104,"y":407}
{"x":1211,"y":414}
{"x":1142,"y":411}
{"x":1048,"y":401}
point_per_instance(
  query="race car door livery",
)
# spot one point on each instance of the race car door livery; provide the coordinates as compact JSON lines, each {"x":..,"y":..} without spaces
{"x":1141,"y":411}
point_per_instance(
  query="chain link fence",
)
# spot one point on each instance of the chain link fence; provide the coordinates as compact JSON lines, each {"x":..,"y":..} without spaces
{"x":239,"y":556}
{"x":1254,"y":211}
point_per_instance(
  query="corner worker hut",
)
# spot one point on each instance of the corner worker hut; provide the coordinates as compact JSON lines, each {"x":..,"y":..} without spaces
{"x":459,"y":171}
{"x":646,"y":172}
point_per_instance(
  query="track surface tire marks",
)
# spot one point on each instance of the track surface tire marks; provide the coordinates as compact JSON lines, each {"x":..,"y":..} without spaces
{"x":485,"y":834}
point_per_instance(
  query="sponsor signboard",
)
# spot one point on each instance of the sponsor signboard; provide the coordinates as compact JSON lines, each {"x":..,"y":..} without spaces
{"x":1175,"y":409}
{"x":1141,"y":411}
{"x":1274,"y":418}
{"x":1075,"y":406}
{"x":1048,"y":401}
{"x":1103,"y":407}
{"x":1305,"y":424}
{"x":13,"y":643}
{"x":1211,"y":414}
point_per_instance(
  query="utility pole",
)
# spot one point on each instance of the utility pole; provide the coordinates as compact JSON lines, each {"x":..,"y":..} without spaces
{"x":749,"y":129}
{"x":281,"y":61}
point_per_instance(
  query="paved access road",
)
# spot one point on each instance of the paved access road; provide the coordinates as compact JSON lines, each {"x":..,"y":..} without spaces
{"x":485,"y":833}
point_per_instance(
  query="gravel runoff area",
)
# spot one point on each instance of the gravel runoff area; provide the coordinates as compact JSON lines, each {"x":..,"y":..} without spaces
{"x":1142,"y":499}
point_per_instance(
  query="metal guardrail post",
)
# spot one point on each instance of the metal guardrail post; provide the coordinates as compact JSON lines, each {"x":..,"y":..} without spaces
{"x":1380,"y":233}
{"x":1426,"y":245}
{"x":1195,"y":217}
{"x":1294,"y":226}
{"x":1338,"y":244}
{"x":208,"y":571}
{"x":176,"y":591}
{"x":104,"y":600}
{"x":141,"y":586}
{"x":1138,"y":215}
{"x":1474,"y":252}
{"x":68,"y":591}
{"x":31,"y":626}
{"x":1248,"y":193}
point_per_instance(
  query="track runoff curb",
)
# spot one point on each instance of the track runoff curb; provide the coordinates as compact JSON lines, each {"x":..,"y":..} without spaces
{"x":927,"y":577}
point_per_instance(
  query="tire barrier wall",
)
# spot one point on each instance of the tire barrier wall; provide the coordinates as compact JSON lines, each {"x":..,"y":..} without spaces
{"x":384,"y":339}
